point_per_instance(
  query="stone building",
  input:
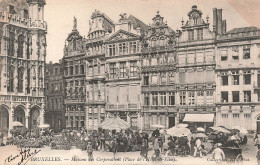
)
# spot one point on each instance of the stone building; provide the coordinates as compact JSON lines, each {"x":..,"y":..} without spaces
{"x":54,"y":96}
{"x":22,"y":63}
{"x":74,"y":79}
{"x":195,"y":76}
{"x":158,"y":72}
{"x":150,"y":75}
{"x":238,"y":78}
{"x":100,"y":26}
{"x":123,"y":79}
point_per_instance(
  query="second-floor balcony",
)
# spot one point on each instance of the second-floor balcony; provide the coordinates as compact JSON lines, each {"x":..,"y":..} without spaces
{"x":21,"y":99}
{"x":119,"y":107}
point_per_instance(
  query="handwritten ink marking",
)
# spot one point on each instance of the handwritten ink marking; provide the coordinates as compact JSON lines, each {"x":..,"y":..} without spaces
{"x":25,"y":154}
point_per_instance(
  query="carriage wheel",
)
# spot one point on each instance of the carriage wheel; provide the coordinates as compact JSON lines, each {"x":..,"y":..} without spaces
{"x":239,"y":159}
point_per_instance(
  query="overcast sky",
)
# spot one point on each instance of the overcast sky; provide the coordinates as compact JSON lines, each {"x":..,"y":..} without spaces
{"x":59,"y":15}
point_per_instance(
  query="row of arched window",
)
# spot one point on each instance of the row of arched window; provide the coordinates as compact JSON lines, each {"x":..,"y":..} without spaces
{"x":11,"y":46}
{"x":20,"y":78}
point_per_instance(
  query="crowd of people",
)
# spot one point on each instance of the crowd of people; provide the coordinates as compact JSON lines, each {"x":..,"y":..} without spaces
{"x":127,"y":141}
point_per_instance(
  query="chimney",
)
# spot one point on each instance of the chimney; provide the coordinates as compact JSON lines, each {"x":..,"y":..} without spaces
{"x":219,"y":22}
{"x":215,"y":20}
{"x":224,"y":26}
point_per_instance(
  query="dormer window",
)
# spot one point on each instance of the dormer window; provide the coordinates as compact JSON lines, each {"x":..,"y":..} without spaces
{"x":11,"y":9}
{"x":25,"y":13}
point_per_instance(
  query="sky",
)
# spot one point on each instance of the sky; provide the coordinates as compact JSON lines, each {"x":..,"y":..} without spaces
{"x":59,"y":15}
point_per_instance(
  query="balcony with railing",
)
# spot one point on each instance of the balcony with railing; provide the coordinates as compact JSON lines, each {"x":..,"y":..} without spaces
{"x":123,"y":107}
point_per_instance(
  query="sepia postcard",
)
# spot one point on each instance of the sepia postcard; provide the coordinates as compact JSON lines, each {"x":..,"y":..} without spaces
{"x":129,"y":82}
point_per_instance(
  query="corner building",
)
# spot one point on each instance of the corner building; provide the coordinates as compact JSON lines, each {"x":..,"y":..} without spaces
{"x":22,"y":62}
{"x":238,"y":78}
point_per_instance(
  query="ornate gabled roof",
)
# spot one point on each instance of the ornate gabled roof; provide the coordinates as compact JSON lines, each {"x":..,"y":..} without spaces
{"x":243,"y":30}
{"x":97,"y":13}
{"x":122,"y":34}
{"x":137,"y":23}
{"x":194,"y":9}
{"x":74,"y":34}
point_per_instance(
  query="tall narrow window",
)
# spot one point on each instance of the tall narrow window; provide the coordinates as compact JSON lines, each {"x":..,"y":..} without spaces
{"x":224,"y":97}
{"x":247,"y":77}
{"x":28,"y":80}
{"x":112,"y":70}
{"x":133,"y":69}
{"x":191,"y":98}
{"x":20,"y":80}
{"x":122,"y":69}
{"x":200,"y":34}
{"x":163,"y":98}
{"x":133,"y":47}
{"x":235,"y":96}
{"x":20,"y":46}
{"x":183,"y":98}
{"x":74,"y":44}
{"x":146,"y":80}
{"x":224,"y":79}
{"x":171,"y":98}
{"x":82,"y":69}
{"x":155,"y":98}
{"x":125,"y":48}
{"x":111,"y":49}
{"x":120,"y":47}
{"x":28,"y":48}
{"x":11,"y":80}
{"x":246,"y":52}
{"x":247,"y":96}
{"x":146,"y":99}
{"x":191,"y":35}
{"x":11,"y":44}
{"x":235,"y":77}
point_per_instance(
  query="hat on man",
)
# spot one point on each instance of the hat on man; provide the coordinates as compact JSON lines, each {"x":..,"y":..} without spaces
{"x":219,"y":144}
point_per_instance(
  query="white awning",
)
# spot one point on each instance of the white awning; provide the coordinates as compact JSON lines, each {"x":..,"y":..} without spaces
{"x":198,"y":118}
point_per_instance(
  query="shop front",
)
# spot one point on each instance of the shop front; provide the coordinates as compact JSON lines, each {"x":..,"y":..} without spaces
{"x":199,"y":120}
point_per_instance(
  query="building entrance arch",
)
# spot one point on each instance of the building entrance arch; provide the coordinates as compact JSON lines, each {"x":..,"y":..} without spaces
{"x":19,"y":115}
{"x":4,"y":121}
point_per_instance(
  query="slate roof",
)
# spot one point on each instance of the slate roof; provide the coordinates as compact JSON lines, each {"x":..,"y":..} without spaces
{"x":243,"y":30}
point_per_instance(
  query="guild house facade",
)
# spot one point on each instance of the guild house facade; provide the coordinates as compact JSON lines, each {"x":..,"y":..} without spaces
{"x":154,"y":74}
{"x":22,"y":63}
{"x":54,"y":96}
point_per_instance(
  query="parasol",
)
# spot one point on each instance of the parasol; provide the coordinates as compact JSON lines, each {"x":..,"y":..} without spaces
{"x":200,"y":129}
{"x":241,"y":129}
{"x":17,"y":124}
{"x":178,"y":132}
{"x":181,"y":125}
{"x":220,"y":129}
{"x":44,"y":126}
{"x":114,"y":124}
{"x":157,"y":126}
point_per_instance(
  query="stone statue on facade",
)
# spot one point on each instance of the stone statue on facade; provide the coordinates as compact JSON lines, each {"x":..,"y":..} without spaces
{"x":75,"y":24}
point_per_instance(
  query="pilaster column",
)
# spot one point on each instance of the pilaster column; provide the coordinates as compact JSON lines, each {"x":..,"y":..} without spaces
{"x":167,"y":120}
{"x":158,"y":118}
{"x":151,"y":120}
{"x":230,"y":116}
{"x":128,"y":118}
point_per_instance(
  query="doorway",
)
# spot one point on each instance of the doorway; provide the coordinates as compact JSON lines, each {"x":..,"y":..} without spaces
{"x":171,"y":122}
